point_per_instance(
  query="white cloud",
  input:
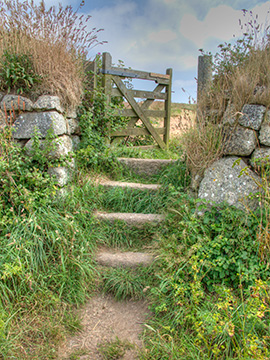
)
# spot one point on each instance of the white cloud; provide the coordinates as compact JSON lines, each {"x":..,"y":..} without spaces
{"x":221,"y":23}
{"x":188,"y":61}
{"x":153,"y":35}
{"x":162,"y":36}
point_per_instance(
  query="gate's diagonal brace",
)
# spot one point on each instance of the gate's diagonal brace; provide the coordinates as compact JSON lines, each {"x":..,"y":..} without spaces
{"x":138,"y":111}
{"x":146,"y":104}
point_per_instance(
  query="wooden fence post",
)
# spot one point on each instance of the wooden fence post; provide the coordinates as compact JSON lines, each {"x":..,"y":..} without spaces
{"x":107,"y":79}
{"x":91,"y":66}
{"x":167,"y":118}
{"x":204,"y":75}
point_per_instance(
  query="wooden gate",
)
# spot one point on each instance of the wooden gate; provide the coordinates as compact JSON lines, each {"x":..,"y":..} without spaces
{"x":114,"y":86}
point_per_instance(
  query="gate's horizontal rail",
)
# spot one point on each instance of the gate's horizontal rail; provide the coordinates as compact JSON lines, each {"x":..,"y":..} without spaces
{"x":136,"y":132}
{"x":114,"y":85}
{"x":148,"y":113}
{"x":142,"y":94}
{"x":137,"y":74}
{"x":141,"y":115}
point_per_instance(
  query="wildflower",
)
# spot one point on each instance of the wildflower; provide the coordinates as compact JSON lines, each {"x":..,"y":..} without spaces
{"x":230,"y":329}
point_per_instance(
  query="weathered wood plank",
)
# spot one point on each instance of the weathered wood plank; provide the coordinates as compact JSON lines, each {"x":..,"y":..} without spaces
{"x":107,"y":79}
{"x":142,"y":94}
{"x":163,"y":76}
{"x":167,"y":118}
{"x":138,"y":111}
{"x":154,"y":95}
{"x":91,"y":66}
{"x":132,"y":122}
{"x":145,"y":147}
{"x":147,"y":103}
{"x":148,"y":113}
{"x":137,"y":74}
{"x":136,"y":132}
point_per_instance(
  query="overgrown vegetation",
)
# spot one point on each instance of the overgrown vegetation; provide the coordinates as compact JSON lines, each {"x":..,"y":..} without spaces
{"x":241,"y":73}
{"x":209,"y":287}
{"x":240,"y":76}
{"x":43,"y":50}
{"x":212,"y":298}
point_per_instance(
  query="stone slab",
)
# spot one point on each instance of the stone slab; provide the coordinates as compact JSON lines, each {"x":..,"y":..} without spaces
{"x":135,"y":186}
{"x":73,"y":126}
{"x":264,"y":134}
{"x":124,"y":259}
{"x":131,"y":219}
{"x":230,"y":115}
{"x":61,"y":174}
{"x":61,"y":147}
{"x":146,"y":167}
{"x":3,"y":120}
{"x":260,"y":158}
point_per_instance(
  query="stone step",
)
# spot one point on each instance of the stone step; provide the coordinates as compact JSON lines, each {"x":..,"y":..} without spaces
{"x":146,"y":167}
{"x":128,"y":185}
{"x":127,"y":259}
{"x":131,"y":219}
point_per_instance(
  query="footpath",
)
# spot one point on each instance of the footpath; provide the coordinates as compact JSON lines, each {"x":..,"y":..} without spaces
{"x":104,"y":319}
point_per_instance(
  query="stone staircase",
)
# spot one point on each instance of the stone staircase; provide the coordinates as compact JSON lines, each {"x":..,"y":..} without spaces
{"x":147,"y":168}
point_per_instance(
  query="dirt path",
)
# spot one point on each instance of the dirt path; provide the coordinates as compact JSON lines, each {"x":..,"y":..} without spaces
{"x":104,"y":319}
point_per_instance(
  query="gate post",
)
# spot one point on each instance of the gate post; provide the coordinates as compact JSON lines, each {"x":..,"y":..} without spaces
{"x":92,"y":67}
{"x":107,"y":80}
{"x":204,"y":82}
{"x":168,"y":101}
{"x":204,"y":75}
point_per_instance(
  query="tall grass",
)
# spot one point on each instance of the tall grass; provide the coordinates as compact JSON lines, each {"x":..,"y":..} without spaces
{"x":241,"y":71}
{"x":55,"y":39}
{"x":46,"y":266}
{"x":45,"y":251}
{"x":203,"y":144}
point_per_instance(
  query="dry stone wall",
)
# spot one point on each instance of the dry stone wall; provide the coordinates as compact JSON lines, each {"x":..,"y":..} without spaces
{"x":43,"y":114}
{"x":235,"y":177}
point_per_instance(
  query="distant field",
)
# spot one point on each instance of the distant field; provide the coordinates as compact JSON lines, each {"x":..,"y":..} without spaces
{"x":179,"y":107}
{"x":182,"y":116}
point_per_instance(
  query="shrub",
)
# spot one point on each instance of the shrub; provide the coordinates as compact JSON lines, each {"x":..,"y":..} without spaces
{"x":224,"y":241}
{"x":17,"y":73}
{"x":97,"y":118}
{"x":211,"y":297}
{"x":24,"y":183}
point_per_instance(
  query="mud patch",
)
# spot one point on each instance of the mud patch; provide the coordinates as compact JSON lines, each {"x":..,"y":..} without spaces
{"x":104,"y":319}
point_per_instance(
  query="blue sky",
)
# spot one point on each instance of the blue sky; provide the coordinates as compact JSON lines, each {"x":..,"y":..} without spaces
{"x":154,"y":35}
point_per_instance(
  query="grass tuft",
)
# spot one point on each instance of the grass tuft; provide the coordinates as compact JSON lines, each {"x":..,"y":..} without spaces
{"x":114,"y":349}
{"x":123,"y":284}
